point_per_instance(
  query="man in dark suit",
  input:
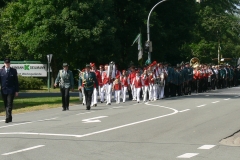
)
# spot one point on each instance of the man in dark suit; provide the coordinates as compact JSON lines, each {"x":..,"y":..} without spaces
{"x":9,"y":87}
{"x":87,"y":82}
{"x":66,"y":82}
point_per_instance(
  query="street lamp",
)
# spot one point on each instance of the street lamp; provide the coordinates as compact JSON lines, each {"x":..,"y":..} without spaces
{"x":49,"y":58}
{"x":149,"y":43}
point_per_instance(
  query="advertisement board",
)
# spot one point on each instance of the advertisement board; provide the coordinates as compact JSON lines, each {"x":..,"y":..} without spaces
{"x":31,"y":70}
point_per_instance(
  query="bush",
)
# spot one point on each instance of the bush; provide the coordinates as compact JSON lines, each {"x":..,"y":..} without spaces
{"x":29,"y":83}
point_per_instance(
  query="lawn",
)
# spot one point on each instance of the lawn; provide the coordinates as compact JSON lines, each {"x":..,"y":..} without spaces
{"x":21,"y":105}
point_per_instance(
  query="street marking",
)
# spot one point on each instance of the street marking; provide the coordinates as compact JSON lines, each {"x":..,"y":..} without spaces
{"x":2,"y":120}
{"x":84,"y":113}
{"x":215,"y":102}
{"x":27,"y":122}
{"x":207,"y":147}
{"x":227,"y":99}
{"x":188,"y":155}
{"x":23,"y":150}
{"x":93,"y":120}
{"x":184,"y":110}
{"x":97,"y":132}
{"x":201,"y":105}
{"x":118,"y":107}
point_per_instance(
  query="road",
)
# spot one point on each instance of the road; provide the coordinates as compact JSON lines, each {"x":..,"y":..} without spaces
{"x":188,"y":127}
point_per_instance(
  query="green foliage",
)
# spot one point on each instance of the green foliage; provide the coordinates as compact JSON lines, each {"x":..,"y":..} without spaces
{"x":26,"y":83}
{"x":79,"y":32}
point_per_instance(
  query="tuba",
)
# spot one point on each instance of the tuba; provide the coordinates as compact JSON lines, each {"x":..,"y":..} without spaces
{"x":194,"y":62}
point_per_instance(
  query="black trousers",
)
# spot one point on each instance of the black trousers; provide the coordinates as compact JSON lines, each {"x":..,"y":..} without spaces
{"x":88,"y":97}
{"x":65,"y":97}
{"x":8,"y":103}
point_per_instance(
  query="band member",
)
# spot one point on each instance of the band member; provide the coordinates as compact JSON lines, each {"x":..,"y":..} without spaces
{"x":66,"y":82}
{"x":117,"y":86}
{"x":125,"y":84}
{"x":145,"y":87}
{"x":106,"y":83}
{"x":137,"y":85}
{"x":99,"y":79}
{"x":162,"y":74}
{"x":81,"y":91}
{"x":9,"y":87}
{"x":156,"y":81}
{"x":131,"y":77}
{"x":151,"y":82}
{"x":101,"y":90}
{"x":88,"y":81}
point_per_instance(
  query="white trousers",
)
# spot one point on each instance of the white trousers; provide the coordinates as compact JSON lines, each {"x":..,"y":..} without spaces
{"x":151,"y":92}
{"x":137,"y":92}
{"x":103,"y":92}
{"x":83,"y":96}
{"x":108,"y":92}
{"x":133,"y":92}
{"x":117,"y":95}
{"x":161,"y":92}
{"x":124,"y":92}
{"x":145,"y":89}
{"x":155,"y":90}
{"x":94,"y":97}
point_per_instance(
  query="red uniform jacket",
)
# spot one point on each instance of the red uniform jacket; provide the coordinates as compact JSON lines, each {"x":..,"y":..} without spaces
{"x":124,"y":81}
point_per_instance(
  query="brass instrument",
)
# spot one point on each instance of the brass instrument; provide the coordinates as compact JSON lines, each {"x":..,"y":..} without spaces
{"x":194,"y":62}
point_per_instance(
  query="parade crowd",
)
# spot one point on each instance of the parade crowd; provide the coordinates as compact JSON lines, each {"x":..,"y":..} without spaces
{"x":153,"y":82}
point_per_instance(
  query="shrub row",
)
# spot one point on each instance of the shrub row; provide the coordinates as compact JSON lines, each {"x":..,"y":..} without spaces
{"x":26,"y":83}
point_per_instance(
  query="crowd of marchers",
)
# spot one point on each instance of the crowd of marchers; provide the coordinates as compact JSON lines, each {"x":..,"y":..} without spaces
{"x":153,"y":82}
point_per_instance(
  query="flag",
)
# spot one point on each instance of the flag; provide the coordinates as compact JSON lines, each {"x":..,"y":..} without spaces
{"x":140,"y":50}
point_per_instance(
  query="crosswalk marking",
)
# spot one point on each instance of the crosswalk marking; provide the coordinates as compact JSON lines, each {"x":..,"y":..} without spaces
{"x":207,"y":147}
{"x":188,"y":155}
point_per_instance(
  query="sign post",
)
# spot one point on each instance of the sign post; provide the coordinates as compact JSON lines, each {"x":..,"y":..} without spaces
{"x":49,"y":58}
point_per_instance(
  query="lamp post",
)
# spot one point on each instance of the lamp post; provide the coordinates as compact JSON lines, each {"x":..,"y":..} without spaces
{"x":148,"y":30}
{"x":148,"y":43}
{"x":49,"y":58}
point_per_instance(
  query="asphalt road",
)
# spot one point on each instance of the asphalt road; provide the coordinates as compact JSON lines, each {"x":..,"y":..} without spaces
{"x":188,"y":127}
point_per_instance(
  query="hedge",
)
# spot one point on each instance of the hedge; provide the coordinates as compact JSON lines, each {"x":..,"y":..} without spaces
{"x":26,"y":83}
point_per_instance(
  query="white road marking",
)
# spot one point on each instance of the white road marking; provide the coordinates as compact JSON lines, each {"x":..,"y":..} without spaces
{"x":184,"y":110}
{"x":23,"y":150}
{"x":27,"y":122}
{"x":117,"y":107}
{"x":202,"y":105}
{"x":97,"y":132}
{"x":227,"y":99}
{"x":215,"y":102}
{"x":84,"y":113}
{"x":2,"y":120}
{"x":207,"y":147}
{"x":93,"y":120}
{"x":188,"y":155}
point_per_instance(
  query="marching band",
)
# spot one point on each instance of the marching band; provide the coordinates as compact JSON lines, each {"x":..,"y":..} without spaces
{"x":158,"y":81}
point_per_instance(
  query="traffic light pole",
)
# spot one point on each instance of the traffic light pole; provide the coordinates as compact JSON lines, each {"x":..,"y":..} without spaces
{"x":148,"y":30}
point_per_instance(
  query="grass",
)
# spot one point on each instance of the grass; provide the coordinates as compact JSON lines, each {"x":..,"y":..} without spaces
{"x":21,"y":105}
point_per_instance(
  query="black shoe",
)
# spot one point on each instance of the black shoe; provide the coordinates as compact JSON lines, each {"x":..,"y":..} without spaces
{"x":83,"y":104}
{"x":67,"y":108}
{"x":101,"y":101}
{"x":95,"y":105}
{"x":88,"y":108}
{"x":63,"y":109}
{"x":6,"y":120}
{"x":10,"y":119}
{"x":109,"y":103}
